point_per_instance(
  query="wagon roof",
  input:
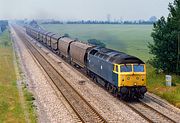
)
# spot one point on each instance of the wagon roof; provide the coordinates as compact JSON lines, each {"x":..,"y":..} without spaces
{"x":67,"y":39}
{"x":57,"y":36}
{"x":42,"y":31}
{"x":82,"y":45}
{"x":116,"y":56}
{"x":47,"y":33}
{"x":50,"y":34}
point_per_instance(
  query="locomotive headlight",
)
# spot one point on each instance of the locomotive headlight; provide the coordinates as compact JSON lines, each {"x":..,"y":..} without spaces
{"x":137,"y":78}
{"x":142,"y":78}
{"x":128,"y":78}
{"x":122,"y":78}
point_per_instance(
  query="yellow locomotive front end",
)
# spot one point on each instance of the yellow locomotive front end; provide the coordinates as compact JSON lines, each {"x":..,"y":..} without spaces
{"x":131,"y":80}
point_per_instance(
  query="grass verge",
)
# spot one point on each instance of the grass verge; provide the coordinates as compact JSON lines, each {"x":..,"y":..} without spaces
{"x":11,"y":110}
{"x":29,"y":98}
{"x":10,"y":106}
{"x":156,"y":85}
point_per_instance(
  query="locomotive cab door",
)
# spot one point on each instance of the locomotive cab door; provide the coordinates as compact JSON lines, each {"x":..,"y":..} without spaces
{"x":115,"y":74}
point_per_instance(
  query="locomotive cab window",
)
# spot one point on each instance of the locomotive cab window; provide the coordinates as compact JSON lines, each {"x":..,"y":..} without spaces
{"x":138,"y":68}
{"x":126,"y":68}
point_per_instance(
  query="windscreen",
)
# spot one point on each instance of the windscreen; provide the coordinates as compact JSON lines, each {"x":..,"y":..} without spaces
{"x":138,"y":68}
{"x":126,"y":68}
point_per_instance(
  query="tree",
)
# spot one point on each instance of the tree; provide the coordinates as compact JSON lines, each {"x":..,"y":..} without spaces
{"x":165,"y":35}
{"x":153,"y":19}
{"x":96,"y":42}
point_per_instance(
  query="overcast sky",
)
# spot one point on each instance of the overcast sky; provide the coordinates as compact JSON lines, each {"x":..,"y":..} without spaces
{"x":83,"y":9}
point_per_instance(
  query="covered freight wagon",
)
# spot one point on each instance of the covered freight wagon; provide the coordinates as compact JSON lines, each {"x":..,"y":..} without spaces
{"x":45,"y":37}
{"x":41,"y":35}
{"x":64,"y":46}
{"x":49,"y":38}
{"x":78,"y":52}
{"x":54,"y":41}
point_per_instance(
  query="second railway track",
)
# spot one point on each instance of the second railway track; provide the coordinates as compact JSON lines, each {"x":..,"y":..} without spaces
{"x":81,"y":107}
{"x":149,"y":113}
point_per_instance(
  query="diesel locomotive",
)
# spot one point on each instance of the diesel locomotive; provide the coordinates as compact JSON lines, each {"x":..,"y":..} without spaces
{"x":122,"y":74}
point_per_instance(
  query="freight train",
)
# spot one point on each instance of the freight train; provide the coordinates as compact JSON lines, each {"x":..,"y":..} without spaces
{"x":122,"y":74}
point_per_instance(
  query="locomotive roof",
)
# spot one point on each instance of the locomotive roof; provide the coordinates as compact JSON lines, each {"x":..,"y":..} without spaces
{"x":116,"y":56}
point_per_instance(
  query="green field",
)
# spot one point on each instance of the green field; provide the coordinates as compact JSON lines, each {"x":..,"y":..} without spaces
{"x":131,"y":39}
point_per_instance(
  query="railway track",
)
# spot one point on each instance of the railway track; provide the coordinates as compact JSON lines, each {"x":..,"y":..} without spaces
{"x":149,"y":113}
{"x":81,"y":107}
{"x":162,"y":104}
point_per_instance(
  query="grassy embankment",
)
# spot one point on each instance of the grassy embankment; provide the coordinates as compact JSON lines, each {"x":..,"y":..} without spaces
{"x":10,"y":106}
{"x":131,"y":39}
{"x":156,"y":85}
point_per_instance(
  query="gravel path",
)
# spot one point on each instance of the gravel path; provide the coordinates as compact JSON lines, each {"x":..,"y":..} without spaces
{"x":50,"y":107}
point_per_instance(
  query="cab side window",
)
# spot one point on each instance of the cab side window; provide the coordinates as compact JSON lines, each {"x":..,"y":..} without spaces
{"x":116,"y":68}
